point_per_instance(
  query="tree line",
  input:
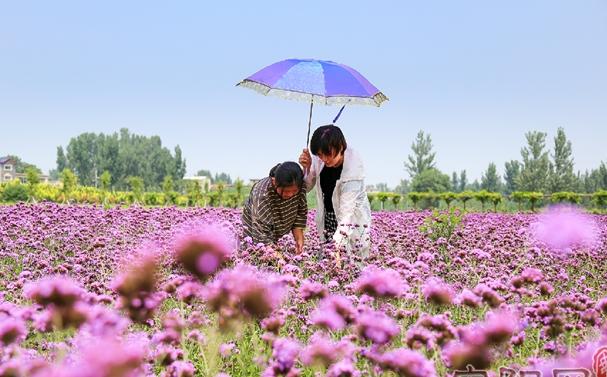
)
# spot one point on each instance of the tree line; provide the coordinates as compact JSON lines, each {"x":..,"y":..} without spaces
{"x":539,"y":170}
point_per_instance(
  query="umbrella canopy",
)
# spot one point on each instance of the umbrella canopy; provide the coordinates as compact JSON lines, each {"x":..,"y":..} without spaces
{"x":317,"y":81}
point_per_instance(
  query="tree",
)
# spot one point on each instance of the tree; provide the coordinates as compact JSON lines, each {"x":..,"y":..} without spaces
{"x":69,"y":181}
{"x":222,"y":177}
{"x":513,"y":170}
{"x":431,"y":180}
{"x":106,"y":180}
{"x":536,"y":163}
{"x":32,"y":180}
{"x":383,"y":187}
{"x":123,"y":155}
{"x":168,"y":188}
{"x":594,"y":180}
{"x":220,"y":189}
{"x":238,"y":186}
{"x":180,"y":168}
{"x":463,"y":181}
{"x":455,"y":182}
{"x":396,"y":198}
{"x":562,"y":177}
{"x":137,"y":187}
{"x":82,"y":158}
{"x":422,"y":158}
{"x":490,"y":180}
{"x":193,"y":192}
{"x":61,"y":159}
{"x":53,"y":174}
{"x":402,"y":187}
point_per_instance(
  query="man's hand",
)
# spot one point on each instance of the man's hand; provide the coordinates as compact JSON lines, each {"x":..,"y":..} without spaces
{"x":305,"y":160}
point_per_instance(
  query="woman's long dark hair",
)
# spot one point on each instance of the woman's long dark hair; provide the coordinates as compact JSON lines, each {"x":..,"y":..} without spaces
{"x":288,"y":173}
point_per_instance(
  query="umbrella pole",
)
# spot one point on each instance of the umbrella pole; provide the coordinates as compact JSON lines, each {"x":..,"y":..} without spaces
{"x":310,"y":121}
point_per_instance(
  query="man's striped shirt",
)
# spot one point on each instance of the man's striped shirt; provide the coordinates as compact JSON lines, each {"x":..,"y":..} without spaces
{"x":266,"y":216}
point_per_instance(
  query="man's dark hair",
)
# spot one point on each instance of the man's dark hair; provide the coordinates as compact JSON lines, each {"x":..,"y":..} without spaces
{"x":287,"y":174}
{"x":327,"y":140}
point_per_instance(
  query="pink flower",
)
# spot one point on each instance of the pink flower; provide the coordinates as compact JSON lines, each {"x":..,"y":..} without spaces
{"x":377,"y":327}
{"x":56,"y":290}
{"x":408,"y":363}
{"x":380,"y":283}
{"x":334,"y":312}
{"x":310,"y":290}
{"x":437,"y":292}
{"x":12,"y":330}
{"x":136,"y":288}
{"x":284,"y":354}
{"x":203,"y":250}
{"x":563,"y":227}
{"x":321,"y":350}
{"x":244,"y":291}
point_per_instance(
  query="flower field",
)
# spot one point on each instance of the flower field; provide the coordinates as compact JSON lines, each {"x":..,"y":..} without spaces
{"x":87,"y":291}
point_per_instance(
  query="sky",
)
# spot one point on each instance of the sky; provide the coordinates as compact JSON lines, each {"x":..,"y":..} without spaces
{"x":475,"y":75}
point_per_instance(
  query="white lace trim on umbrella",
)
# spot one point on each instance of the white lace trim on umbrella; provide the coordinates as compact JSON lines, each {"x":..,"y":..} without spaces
{"x":376,"y":100}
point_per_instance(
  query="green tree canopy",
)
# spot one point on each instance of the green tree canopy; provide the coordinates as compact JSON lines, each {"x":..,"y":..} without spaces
{"x":422,"y":158}
{"x":490,"y":180}
{"x":536,"y":163}
{"x":123,"y":155}
{"x":431,"y":180}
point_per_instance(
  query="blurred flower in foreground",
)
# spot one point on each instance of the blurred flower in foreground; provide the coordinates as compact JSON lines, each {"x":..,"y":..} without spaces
{"x":562,"y":228}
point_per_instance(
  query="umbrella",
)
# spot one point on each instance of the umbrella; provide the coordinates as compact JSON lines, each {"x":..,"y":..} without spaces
{"x":315,"y":81}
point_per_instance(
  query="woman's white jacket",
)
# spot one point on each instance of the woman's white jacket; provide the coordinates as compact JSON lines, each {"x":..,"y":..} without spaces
{"x":350,"y":203}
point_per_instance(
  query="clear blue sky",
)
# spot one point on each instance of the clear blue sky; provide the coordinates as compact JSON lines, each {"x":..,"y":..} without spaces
{"x":476,"y":75}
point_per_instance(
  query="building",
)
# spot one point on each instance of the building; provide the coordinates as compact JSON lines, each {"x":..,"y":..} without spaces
{"x":8,"y":172}
{"x":204,"y":182}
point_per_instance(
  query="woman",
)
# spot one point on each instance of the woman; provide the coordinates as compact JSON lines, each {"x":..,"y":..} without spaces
{"x":343,"y":213}
{"x":276,"y":206}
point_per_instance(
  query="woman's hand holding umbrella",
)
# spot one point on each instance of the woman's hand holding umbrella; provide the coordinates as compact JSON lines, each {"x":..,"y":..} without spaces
{"x":305,"y":160}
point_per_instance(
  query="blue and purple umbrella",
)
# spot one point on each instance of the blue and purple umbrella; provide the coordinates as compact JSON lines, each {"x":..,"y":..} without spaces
{"x":315,"y":81}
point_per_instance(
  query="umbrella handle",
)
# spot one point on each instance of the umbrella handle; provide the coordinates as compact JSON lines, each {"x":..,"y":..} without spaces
{"x":310,"y":121}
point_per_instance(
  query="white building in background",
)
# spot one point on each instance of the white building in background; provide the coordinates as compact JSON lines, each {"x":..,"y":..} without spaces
{"x":204,"y":182}
{"x":8,"y":172}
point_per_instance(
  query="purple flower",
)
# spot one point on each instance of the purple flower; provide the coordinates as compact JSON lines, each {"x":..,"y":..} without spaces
{"x":136,"y":288}
{"x":321,"y":350}
{"x":12,"y":330}
{"x":244,"y":291}
{"x":468,"y":298}
{"x":563,"y":227}
{"x":461,"y":354}
{"x":344,"y":368}
{"x":500,"y":326}
{"x":310,"y":290}
{"x":273,"y":324}
{"x":408,"y":363}
{"x":334,"y":312}
{"x":226,"y":349}
{"x":180,"y":369}
{"x":380,"y":283}
{"x":120,"y":358}
{"x":437,"y":292}
{"x":284,"y":354}
{"x":203,"y":250}
{"x":54,"y":290}
{"x":376,"y":327}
